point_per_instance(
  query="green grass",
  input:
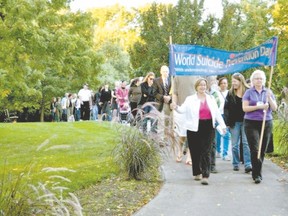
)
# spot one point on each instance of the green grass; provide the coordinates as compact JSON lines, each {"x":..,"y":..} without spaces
{"x":85,"y":147}
{"x":278,"y":134}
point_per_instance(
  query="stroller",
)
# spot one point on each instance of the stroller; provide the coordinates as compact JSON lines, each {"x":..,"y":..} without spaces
{"x":125,"y":114}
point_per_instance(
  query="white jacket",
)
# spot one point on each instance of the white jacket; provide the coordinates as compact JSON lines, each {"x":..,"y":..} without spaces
{"x":190,"y":108}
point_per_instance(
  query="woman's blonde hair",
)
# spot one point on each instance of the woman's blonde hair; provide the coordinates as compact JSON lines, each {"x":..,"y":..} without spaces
{"x":242,"y":80}
{"x":262,"y":73}
{"x":198,"y":81}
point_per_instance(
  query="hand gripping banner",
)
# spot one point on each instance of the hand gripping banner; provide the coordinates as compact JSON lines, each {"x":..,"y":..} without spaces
{"x":189,"y":60}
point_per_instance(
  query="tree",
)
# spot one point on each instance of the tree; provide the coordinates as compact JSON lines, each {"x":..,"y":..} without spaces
{"x":114,"y":34}
{"x":116,"y":65}
{"x":45,"y":51}
{"x":280,"y":25}
{"x":157,"y":23}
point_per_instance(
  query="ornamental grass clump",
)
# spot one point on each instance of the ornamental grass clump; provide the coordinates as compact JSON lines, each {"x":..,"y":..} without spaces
{"x":282,"y":127}
{"x":137,"y":155}
{"x":51,"y":198}
{"x":19,"y":196}
{"x":141,"y":148}
{"x":13,"y":201}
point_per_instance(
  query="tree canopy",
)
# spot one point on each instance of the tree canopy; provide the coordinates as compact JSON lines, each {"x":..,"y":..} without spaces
{"x":46,"y":50}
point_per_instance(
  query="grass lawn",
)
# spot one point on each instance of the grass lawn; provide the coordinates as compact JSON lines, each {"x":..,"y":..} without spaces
{"x":83,"y":153}
{"x":84,"y":147}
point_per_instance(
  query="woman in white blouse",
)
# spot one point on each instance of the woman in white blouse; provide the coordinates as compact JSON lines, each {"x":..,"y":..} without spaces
{"x":201,"y":113}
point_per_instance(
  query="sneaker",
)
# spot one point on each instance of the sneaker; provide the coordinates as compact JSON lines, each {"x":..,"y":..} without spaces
{"x":218,"y":155}
{"x":226,"y":158}
{"x":248,"y":169}
{"x":236,"y":168}
{"x":213,"y":169}
{"x":204,"y":181}
{"x":197,"y":178}
{"x":257,"y":180}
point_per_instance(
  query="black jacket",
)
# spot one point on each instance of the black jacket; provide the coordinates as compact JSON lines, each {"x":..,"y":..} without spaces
{"x":147,"y":93}
{"x":230,"y":111}
{"x":159,"y":92}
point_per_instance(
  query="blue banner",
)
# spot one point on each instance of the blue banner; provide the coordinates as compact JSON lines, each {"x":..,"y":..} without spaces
{"x":189,"y":60}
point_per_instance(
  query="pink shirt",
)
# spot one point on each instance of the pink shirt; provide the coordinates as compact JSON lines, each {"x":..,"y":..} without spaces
{"x":204,"y":111}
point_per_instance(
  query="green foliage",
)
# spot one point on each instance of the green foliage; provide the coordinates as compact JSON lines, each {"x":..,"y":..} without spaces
{"x":81,"y":146}
{"x":140,"y":148}
{"x":46,"y":51}
{"x":18,"y":197}
{"x":282,"y":137}
{"x":12,"y":198}
{"x":137,"y":154}
{"x":116,"y":65}
{"x":279,"y":13}
{"x":39,"y":170}
{"x":282,"y":125}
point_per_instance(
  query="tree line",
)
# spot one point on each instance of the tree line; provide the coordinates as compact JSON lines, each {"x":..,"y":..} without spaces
{"x":47,"y":50}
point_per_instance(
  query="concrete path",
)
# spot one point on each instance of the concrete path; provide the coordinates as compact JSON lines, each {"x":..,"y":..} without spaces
{"x":228,"y":193}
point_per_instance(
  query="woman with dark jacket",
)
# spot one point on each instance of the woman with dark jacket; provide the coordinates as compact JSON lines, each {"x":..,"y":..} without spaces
{"x":234,"y":118}
{"x":147,"y":95}
{"x":134,"y":95}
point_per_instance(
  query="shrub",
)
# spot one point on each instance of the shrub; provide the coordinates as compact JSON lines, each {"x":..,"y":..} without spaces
{"x":282,"y":127}
{"x":137,"y":154}
{"x":141,"y":148}
{"x":12,"y":197}
{"x":19,"y":197}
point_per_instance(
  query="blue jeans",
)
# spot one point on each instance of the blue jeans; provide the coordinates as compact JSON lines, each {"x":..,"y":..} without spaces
{"x":95,"y":112}
{"x":77,"y":114}
{"x":226,"y":140}
{"x":236,"y":132}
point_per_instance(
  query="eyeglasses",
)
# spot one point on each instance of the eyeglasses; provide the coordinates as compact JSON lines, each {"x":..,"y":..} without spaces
{"x":151,"y":79}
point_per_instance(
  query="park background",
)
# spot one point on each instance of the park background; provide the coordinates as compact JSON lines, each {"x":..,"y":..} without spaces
{"x":46,"y":50}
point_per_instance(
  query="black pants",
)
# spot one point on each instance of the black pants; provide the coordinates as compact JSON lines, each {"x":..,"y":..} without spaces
{"x":85,"y":110}
{"x":133,"y":106}
{"x":253,"y":132}
{"x":200,"y":147}
{"x":213,"y":150}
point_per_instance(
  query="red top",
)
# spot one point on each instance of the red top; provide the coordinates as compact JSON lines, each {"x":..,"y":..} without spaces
{"x":204,"y":112}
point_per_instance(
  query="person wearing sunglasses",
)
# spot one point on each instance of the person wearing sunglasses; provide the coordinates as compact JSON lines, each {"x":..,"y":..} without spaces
{"x":146,"y":101}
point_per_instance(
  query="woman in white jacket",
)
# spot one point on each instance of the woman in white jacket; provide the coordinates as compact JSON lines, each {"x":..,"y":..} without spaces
{"x":201,"y":113}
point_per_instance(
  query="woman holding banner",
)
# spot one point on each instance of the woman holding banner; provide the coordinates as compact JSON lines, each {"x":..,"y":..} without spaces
{"x":258,"y":103}
{"x":201,"y":113}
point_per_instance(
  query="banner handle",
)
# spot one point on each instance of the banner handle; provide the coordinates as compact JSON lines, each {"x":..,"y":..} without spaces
{"x":264,"y":117}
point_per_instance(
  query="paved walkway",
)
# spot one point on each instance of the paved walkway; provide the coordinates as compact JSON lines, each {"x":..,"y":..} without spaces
{"x":228,"y":193}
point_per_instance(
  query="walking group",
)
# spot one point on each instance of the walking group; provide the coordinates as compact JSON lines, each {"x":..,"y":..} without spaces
{"x":205,"y":113}
{"x":210,"y":113}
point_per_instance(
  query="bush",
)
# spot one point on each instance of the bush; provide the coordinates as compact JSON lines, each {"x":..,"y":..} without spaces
{"x":19,"y":197}
{"x":282,"y":127}
{"x":12,"y":198}
{"x":137,"y":154}
{"x":141,"y":148}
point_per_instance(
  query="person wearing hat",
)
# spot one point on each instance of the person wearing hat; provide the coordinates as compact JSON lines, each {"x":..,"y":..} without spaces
{"x":86,"y":102}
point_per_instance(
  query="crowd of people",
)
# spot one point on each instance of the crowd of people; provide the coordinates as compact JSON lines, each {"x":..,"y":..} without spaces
{"x":206,"y":115}
{"x":213,"y":113}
